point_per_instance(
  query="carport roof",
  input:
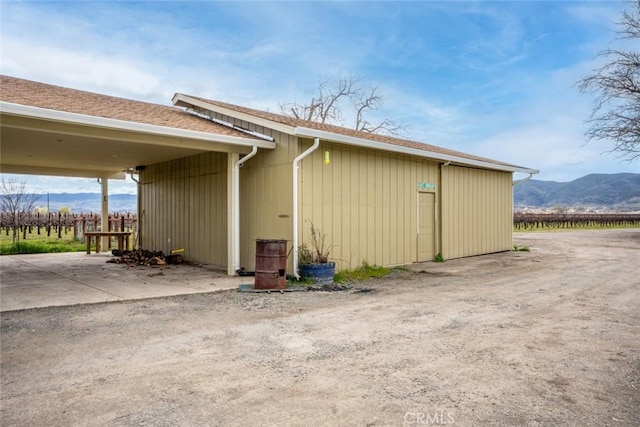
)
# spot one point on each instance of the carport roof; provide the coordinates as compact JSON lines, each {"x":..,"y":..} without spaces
{"x":53,"y":130}
{"x":36,"y":94}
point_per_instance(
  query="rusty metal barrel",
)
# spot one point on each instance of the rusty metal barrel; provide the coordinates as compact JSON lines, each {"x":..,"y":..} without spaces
{"x":271,"y":264}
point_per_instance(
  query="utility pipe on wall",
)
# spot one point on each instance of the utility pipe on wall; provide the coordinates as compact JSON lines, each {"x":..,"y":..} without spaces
{"x":137,"y":241}
{"x":296,"y":161}
{"x":236,"y":206}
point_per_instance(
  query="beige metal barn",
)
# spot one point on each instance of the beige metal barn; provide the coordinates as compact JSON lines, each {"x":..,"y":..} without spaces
{"x":214,"y":177}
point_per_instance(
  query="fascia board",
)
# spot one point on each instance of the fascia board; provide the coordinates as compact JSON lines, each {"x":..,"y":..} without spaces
{"x":181,"y":100}
{"x":366,"y":143}
{"x":66,"y":172}
{"x":102,"y":122}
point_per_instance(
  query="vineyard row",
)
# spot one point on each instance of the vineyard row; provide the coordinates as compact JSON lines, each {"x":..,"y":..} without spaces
{"x":80,"y":223}
{"x":63,"y":223}
{"x":572,"y":220}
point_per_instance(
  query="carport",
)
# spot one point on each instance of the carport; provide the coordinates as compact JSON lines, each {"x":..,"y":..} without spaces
{"x":51,"y":130}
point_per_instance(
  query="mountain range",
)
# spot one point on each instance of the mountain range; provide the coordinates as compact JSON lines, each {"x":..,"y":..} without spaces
{"x":87,"y":202}
{"x":612,"y":191}
{"x":619,"y":191}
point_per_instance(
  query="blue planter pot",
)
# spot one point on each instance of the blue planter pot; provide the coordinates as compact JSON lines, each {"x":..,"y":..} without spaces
{"x":319,"y":273}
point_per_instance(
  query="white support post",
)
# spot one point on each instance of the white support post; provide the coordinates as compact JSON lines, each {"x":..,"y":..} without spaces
{"x":104,"y":220}
{"x":235,"y":210}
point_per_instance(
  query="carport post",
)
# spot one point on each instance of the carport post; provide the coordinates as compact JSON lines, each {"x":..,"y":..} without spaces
{"x":104,"y":219}
{"x":233,"y":200}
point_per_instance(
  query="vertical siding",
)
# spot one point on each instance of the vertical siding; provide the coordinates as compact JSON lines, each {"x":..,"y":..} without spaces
{"x":365,"y":201}
{"x":266,"y":198}
{"x":476,"y":209}
{"x":184,"y":205}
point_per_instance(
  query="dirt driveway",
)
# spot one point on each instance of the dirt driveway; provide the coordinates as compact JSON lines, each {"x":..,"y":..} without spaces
{"x":540,"y":338}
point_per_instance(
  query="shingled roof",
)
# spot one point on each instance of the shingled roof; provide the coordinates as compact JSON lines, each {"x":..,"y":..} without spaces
{"x":385,"y":139}
{"x":41,"y":95}
{"x":57,"y":98}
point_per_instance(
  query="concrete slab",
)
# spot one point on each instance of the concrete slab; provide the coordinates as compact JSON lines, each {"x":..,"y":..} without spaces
{"x":43,"y":280}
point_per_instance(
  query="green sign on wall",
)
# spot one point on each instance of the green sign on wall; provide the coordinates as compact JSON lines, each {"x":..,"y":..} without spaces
{"x":426,"y":186}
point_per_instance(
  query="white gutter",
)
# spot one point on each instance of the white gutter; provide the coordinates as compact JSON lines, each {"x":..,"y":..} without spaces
{"x":520,"y":181}
{"x":123,"y":125}
{"x":66,"y":172}
{"x":236,"y":207}
{"x":296,"y":161}
{"x":367,"y":143}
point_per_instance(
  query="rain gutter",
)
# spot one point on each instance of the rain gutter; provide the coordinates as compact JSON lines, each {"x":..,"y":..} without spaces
{"x":367,"y":143}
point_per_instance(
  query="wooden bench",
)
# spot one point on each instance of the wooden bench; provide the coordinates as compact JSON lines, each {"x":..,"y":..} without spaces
{"x":122,"y":236}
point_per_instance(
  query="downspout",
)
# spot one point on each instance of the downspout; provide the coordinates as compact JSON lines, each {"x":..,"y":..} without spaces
{"x":137,"y":241}
{"x":296,"y":161}
{"x":236,"y":206}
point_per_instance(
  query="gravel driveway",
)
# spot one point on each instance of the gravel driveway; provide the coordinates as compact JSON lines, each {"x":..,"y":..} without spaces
{"x":547,"y":337}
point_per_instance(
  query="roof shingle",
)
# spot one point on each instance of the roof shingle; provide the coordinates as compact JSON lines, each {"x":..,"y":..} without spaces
{"x":294,"y":122}
{"x":42,"y":95}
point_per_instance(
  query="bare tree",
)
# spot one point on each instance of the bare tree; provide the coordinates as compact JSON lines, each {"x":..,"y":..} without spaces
{"x":15,"y":204}
{"x":333,"y":101}
{"x":616,"y":112}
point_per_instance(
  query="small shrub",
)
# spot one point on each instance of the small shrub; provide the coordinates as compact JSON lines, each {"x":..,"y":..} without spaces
{"x":319,"y":251}
{"x":438,"y":258}
{"x":303,"y":281}
{"x":304,"y":254}
{"x":365,"y":272}
{"x":520,"y":248}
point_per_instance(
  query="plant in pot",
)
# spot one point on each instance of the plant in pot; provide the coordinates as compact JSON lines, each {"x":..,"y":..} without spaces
{"x":313,"y":259}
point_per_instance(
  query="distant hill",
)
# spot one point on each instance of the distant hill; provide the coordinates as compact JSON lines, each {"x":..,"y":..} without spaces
{"x":616,"y":191}
{"x":88,"y":202}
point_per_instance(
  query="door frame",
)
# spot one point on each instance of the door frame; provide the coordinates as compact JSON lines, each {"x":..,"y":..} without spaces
{"x":434,"y":224}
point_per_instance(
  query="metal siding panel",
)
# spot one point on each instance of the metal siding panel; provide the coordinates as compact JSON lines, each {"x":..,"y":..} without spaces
{"x":182,"y":207}
{"x":393,"y":191}
{"x":365,"y":202}
{"x":403,"y":239}
{"x":346,"y":212}
{"x":356,"y":209}
{"x":412,"y":215}
{"x":266,"y":198}
{"x":208,"y":206}
{"x":476,"y":211}
{"x":384,"y":223}
{"x":445,"y":211}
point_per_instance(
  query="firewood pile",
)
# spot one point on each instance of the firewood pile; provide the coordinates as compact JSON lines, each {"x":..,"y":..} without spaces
{"x":145,"y":257}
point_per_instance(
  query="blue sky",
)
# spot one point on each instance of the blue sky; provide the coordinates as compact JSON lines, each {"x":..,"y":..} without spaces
{"x":494,"y":79}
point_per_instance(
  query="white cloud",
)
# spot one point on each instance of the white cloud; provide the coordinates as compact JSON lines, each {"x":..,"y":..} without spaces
{"x":553,"y":141}
{"x":453,"y":88}
{"x":113,"y":75}
{"x":57,"y":184}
